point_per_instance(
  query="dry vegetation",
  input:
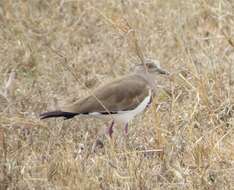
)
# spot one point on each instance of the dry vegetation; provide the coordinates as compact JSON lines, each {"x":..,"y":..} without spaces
{"x":51,"y":50}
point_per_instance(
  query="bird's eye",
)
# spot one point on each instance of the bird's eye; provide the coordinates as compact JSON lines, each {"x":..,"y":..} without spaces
{"x":150,"y":65}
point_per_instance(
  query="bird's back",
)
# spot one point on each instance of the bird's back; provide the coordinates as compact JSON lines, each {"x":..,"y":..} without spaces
{"x":120,"y":95}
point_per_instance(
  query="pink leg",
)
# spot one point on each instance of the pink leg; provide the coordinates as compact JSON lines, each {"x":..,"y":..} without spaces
{"x":126,"y":129}
{"x":110,"y":129}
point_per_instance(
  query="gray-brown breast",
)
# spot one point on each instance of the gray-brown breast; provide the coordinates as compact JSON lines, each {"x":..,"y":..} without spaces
{"x":120,"y":95}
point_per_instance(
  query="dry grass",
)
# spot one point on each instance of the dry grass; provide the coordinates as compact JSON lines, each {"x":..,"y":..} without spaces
{"x":182,"y":142}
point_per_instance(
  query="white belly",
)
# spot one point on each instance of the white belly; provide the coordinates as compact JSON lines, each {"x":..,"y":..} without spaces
{"x":126,"y":116}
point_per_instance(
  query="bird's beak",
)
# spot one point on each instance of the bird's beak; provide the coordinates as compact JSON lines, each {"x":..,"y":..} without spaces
{"x":162,"y":71}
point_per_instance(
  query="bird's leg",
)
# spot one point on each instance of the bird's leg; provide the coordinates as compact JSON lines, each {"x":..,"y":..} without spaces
{"x":110,"y":129}
{"x":126,"y":129}
{"x":151,"y":99}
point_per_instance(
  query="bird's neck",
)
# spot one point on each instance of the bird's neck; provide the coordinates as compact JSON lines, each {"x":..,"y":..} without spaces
{"x":149,"y":78}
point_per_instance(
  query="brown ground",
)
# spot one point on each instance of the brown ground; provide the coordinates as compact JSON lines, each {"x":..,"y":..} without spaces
{"x":51,"y":50}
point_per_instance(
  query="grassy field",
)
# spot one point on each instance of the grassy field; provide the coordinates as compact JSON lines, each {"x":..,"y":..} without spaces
{"x":51,"y":52}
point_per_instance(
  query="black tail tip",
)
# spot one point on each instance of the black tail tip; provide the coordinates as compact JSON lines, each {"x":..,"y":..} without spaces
{"x":66,"y":115}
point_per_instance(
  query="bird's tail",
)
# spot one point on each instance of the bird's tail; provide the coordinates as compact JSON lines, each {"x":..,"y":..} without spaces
{"x":66,"y":115}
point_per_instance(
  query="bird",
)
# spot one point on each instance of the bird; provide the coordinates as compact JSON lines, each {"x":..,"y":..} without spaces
{"x":121,"y":99}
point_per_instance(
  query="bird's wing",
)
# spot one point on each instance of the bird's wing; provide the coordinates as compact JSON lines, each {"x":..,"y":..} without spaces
{"x":120,"y":95}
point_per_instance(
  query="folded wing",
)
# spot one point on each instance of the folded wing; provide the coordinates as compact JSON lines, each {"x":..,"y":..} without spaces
{"x":120,"y":95}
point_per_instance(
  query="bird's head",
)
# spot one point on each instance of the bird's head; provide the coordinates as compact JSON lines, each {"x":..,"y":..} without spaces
{"x":151,"y":66}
